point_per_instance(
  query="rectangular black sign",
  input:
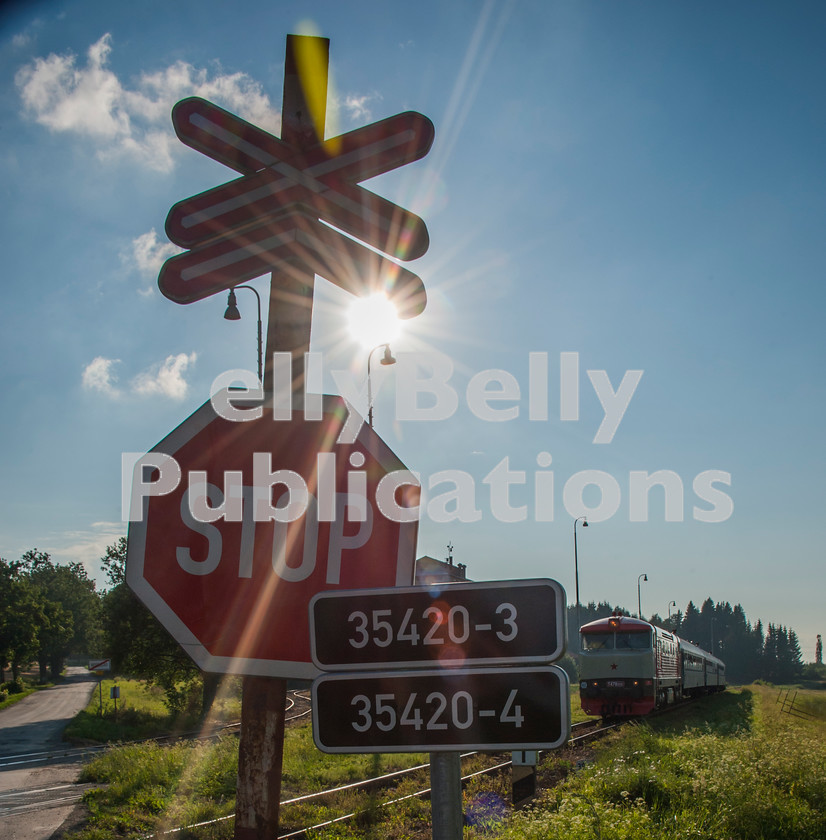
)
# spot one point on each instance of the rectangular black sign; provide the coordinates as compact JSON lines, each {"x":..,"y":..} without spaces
{"x":440,"y":710}
{"x":453,"y":624}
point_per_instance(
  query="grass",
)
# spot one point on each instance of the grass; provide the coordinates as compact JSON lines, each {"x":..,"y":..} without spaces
{"x":731,"y":766}
{"x":142,"y":713}
{"x":151,"y":787}
{"x":735,"y":767}
{"x":147,"y":787}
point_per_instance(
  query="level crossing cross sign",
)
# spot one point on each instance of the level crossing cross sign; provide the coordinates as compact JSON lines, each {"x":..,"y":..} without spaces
{"x":231,"y":583}
{"x":271,"y":215}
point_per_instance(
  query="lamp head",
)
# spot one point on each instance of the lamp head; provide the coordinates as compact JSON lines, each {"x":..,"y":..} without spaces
{"x":232,"y":313}
{"x":388,"y":358}
{"x":645,"y":577}
{"x":584,"y":523}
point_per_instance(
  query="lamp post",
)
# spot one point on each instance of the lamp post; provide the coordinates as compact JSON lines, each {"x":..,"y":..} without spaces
{"x":670,"y":605}
{"x":576,"y":578}
{"x":387,"y":359}
{"x":639,"y":599}
{"x":232,"y":314}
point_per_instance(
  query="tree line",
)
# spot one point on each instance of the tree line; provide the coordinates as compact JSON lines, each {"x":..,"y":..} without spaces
{"x":47,"y":613}
{"x":50,"y":612}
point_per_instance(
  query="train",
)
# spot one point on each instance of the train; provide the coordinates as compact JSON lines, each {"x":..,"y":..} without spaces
{"x":628,"y":667}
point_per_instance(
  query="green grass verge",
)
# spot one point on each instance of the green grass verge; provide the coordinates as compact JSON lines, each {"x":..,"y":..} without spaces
{"x":142,"y":713}
{"x":731,"y":766}
{"x":146,"y":787}
{"x":734,"y":766}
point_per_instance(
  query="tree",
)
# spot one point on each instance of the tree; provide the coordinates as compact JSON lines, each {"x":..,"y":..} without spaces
{"x":139,"y":645}
{"x":782,"y":662}
{"x":70,"y":622}
{"x":741,"y":655}
{"x":691,"y":627}
{"x":21,"y":617}
{"x":795,"y":656}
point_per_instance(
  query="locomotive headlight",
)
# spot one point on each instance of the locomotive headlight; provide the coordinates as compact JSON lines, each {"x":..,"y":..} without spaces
{"x":583,"y":684}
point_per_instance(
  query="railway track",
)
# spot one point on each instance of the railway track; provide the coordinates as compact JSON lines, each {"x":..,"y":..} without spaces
{"x":27,"y":799}
{"x":580,"y":733}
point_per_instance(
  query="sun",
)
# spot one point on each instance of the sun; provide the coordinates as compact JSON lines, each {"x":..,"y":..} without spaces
{"x":373,"y":320}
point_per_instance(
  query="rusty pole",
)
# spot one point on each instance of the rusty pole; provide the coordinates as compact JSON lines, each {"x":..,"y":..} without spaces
{"x":288,"y":330}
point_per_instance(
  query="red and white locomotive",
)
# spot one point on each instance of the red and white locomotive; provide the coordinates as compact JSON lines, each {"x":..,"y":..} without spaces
{"x":630,"y":667}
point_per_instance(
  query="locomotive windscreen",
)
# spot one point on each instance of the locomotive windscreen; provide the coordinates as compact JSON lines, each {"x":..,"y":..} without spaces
{"x":616,"y":641}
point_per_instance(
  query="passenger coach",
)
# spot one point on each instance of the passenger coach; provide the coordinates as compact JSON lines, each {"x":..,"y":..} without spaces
{"x":630,"y":667}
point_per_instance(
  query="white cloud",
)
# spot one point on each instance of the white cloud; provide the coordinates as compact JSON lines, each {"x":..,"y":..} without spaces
{"x":357,"y":108}
{"x":27,"y":35}
{"x":91,"y":101}
{"x":86,"y":547}
{"x":147,"y":253}
{"x":98,"y":375}
{"x":166,"y":378}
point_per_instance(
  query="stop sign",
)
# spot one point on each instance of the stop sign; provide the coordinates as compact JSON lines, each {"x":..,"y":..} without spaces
{"x":234,"y":526}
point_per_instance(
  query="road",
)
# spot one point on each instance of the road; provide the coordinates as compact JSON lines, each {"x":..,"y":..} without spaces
{"x":35,"y":725}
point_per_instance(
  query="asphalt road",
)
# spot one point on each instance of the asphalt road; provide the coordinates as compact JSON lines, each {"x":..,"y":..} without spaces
{"x":34,"y":725}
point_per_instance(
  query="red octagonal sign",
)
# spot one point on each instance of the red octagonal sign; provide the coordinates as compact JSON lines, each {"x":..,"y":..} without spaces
{"x":234,"y":526}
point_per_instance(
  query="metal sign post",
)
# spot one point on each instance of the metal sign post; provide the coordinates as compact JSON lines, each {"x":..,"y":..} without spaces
{"x":446,"y":795}
{"x":523,"y":777}
{"x":114,"y":694}
{"x":100,"y":666}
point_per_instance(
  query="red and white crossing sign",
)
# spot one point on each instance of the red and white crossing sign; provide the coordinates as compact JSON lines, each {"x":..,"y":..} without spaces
{"x":230,"y":582}
{"x":294,"y":240}
{"x":269,"y":216}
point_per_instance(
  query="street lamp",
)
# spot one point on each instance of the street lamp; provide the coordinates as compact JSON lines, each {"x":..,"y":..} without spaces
{"x":576,"y":577}
{"x":639,"y":604}
{"x":670,"y":605}
{"x":232,"y":314}
{"x":386,"y":359}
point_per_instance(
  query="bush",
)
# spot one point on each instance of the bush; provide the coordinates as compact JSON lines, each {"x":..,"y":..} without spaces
{"x":14,"y":686}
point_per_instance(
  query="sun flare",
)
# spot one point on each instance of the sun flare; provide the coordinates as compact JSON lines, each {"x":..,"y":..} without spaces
{"x":374,"y":320}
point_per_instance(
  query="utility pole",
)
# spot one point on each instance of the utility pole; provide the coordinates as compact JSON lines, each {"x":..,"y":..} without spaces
{"x":261,"y":744}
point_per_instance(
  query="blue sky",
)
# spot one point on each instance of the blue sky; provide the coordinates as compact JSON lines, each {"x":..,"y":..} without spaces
{"x":637,"y":183}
